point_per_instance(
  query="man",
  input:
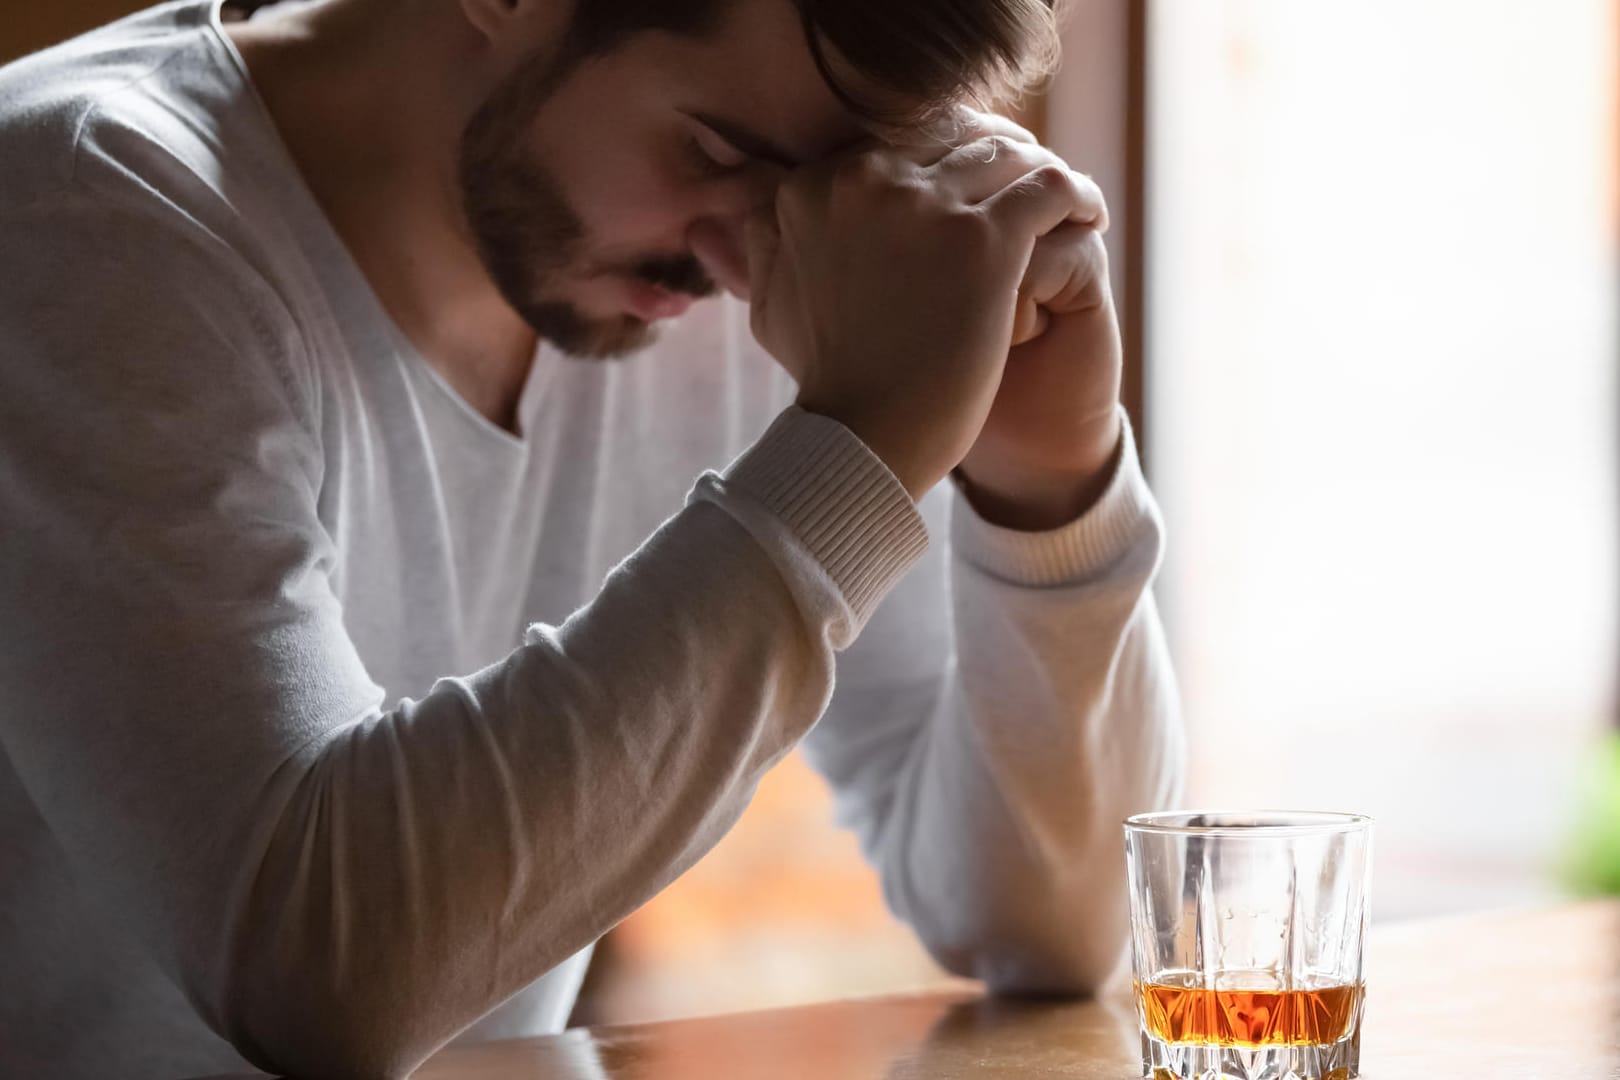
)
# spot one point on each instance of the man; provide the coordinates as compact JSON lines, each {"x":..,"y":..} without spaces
{"x":306,"y":413}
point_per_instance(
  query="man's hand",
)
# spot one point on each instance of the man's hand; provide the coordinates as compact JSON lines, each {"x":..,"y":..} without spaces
{"x":1048,"y":447}
{"x":887,"y":283}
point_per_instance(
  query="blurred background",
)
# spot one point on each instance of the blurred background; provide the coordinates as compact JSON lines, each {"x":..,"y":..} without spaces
{"x":1382,"y":296}
{"x":1367,"y":256}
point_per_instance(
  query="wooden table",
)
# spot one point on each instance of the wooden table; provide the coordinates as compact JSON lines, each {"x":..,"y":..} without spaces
{"x":1520,"y":995}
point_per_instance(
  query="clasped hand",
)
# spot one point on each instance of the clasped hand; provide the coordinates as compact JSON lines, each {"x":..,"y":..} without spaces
{"x":948,"y":302}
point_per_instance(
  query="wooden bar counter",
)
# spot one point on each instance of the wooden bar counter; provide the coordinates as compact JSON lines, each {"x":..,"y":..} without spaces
{"x":1519,"y":995}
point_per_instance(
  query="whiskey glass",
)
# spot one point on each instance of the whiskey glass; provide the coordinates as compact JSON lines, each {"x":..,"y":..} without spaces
{"x":1247,"y":939}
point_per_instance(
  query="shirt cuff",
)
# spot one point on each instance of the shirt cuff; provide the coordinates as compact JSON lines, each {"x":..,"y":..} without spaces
{"x":838,"y":498}
{"x":1070,"y":554}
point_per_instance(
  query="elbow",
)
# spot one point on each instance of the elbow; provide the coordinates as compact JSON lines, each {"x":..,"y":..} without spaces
{"x":302,"y":1028}
{"x":327,"y":1050}
{"x":1048,"y":971}
{"x":1019,"y":954}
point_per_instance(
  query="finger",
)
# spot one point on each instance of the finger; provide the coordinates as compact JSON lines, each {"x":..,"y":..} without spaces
{"x":962,"y":125}
{"x":1029,"y":320}
{"x":1068,"y":270}
{"x":1040,"y":201}
{"x":979,"y":169}
{"x":1067,"y":273}
{"x":1090,"y":206}
{"x":984,"y":123}
{"x":763,"y":239}
{"x":973,"y":126}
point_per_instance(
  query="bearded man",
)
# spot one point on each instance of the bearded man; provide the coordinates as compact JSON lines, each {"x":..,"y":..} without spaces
{"x":400,"y":585}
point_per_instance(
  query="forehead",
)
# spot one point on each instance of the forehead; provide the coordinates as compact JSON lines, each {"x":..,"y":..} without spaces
{"x":756,"y":68}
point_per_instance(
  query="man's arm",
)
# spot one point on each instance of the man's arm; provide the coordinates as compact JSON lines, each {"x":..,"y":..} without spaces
{"x":988,"y":754}
{"x":1008,"y":707}
{"x":339,"y":889}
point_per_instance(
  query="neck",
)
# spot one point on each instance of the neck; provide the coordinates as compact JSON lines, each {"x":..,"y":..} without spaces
{"x":371,"y":106}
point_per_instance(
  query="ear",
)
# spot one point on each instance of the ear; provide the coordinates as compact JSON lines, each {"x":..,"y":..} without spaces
{"x":518,"y":25}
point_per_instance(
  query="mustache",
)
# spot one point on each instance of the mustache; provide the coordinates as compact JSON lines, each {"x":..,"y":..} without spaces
{"x":677,"y":273}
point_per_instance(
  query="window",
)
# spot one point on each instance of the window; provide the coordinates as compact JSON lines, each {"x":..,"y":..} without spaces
{"x":1381,"y":292}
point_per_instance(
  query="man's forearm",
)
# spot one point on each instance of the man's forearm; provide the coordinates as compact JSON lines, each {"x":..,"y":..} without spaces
{"x":990,"y":795}
{"x":1034,"y":499}
{"x":339,"y":893}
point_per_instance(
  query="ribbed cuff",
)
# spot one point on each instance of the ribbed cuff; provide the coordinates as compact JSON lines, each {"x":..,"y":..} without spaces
{"x":1069,"y":554}
{"x":838,"y":498}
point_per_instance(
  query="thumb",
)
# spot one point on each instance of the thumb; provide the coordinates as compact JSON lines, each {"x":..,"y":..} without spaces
{"x":763,"y":240}
{"x":719,"y":256}
{"x":1030,"y":319}
{"x":773,"y":311}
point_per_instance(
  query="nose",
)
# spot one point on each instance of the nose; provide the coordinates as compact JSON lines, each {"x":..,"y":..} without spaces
{"x":716,"y":235}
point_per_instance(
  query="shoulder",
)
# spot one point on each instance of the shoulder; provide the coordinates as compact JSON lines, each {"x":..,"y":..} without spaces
{"x":58,"y":103}
{"x":118,"y":235}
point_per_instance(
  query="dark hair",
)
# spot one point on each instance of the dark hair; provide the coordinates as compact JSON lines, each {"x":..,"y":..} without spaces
{"x":895,"y":62}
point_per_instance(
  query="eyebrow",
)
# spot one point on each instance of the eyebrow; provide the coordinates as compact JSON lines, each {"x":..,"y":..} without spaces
{"x":747,"y":141}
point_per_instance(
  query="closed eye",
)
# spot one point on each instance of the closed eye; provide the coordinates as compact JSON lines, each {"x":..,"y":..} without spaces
{"x":716,"y":153}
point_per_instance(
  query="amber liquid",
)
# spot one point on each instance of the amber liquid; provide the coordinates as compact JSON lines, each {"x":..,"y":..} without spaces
{"x":1243,"y":1012}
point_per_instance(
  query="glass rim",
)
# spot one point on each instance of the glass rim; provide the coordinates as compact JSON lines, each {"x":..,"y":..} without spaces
{"x":1283,"y":823}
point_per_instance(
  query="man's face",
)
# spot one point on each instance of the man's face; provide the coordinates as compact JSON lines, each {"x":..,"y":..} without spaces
{"x":582,"y":179}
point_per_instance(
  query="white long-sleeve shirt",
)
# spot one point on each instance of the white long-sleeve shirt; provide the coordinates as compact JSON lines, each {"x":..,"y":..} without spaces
{"x":336,"y":721}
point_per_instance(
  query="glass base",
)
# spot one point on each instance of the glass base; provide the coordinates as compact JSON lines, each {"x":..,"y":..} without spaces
{"x":1335,"y":1061}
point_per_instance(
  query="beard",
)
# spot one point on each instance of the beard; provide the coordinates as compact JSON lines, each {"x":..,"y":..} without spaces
{"x":531,"y":240}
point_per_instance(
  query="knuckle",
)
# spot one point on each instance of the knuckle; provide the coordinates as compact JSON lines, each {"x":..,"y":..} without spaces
{"x":1050,"y":175}
{"x":867,"y":167}
{"x":862,"y":176}
{"x":996,"y":145}
{"x":901,"y":192}
{"x":918,"y":195}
